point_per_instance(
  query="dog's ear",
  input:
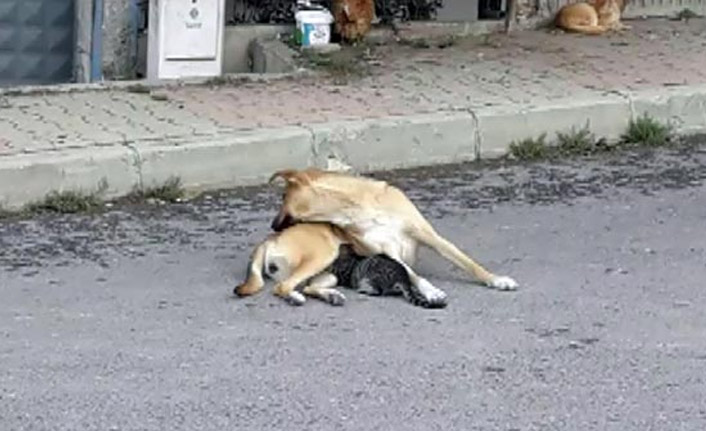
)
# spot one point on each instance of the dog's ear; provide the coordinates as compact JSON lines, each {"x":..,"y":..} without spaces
{"x":295,"y":177}
{"x":291,"y":176}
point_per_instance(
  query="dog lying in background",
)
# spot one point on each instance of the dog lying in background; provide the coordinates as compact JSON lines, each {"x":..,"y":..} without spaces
{"x":302,"y":248}
{"x":375,"y":218}
{"x":592,"y":17}
{"x":353,"y":18}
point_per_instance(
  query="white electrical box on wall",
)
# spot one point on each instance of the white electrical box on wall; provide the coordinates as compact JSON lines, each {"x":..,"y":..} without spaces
{"x":185,"y":39}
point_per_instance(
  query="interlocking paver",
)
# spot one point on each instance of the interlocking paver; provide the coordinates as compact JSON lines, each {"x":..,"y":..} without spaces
{"x":524,"y":68}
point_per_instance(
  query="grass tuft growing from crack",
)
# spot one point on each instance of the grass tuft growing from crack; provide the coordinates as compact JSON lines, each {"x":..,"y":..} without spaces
{"x":580,"y":141}
{"x":531,"y":149}
{"x":5,"y":213}
{"x":66,"y":202}
{"x":170,"y":191}
{"x":648,"y":132}
{"x":643,"y":132}
{"x":75,"y":202}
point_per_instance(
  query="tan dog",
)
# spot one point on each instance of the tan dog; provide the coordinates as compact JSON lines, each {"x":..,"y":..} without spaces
{"x":376,"y":217}
{"x":592,"y":17}
{"x":353,"y":18}
{"x":297,"y":255}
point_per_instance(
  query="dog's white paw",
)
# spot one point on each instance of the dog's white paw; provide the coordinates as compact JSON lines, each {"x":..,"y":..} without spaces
{"x":295,"y":298}
{"x":432,"y":293}
{"x":502,"y":282}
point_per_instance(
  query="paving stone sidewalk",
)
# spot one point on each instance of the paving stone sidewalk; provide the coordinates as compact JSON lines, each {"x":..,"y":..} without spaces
{"x":525,"y":68}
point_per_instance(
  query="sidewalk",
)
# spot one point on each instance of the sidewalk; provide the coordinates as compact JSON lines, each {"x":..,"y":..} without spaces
{"x":419,"y":106}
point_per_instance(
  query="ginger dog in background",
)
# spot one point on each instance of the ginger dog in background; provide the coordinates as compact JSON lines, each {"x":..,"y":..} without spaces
{"x":592,"y":17}
{"x":353,"y":18}
{"x":377,"y":218}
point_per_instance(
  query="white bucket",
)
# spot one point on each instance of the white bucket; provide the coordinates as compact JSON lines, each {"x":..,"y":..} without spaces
{"x":313,"y":27}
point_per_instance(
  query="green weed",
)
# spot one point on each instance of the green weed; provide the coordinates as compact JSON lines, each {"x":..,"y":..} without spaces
{"x":647,"y":132}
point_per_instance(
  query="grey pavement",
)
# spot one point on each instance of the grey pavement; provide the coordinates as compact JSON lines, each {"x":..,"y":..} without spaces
{"x":125,"y":321}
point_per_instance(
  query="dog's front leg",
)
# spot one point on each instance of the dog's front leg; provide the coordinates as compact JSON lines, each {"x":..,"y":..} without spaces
{"x":322,"y":287}
{"x":306,"y":270}
{"x":444,"y":247}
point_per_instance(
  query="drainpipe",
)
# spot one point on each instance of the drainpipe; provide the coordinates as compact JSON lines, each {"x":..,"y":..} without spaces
{"x":83,"y":24}
{"x":134,"y":17}
{"x":97,"y":42}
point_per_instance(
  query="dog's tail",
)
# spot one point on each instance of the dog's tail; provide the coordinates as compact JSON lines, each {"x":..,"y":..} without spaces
{"x":585,"y":29}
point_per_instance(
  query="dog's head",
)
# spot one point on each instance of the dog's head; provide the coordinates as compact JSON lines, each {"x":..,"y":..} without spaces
{"x":309,"y":195}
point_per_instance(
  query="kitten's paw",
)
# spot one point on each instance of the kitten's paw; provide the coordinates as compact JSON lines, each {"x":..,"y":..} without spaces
{"x":334,"y":297}
{"x":365,"y":287}
{"x":502,"y":282}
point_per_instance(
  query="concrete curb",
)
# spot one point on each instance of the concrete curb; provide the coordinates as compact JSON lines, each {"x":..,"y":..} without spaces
{"x":248,"y":158}
{"x":129,"y":85}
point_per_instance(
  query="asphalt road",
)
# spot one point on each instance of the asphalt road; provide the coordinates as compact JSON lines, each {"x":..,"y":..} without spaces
{"x":126,"y":321}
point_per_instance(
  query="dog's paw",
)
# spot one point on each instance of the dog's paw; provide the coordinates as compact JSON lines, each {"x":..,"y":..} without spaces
{"x":334,"y":297}
{"x":431,"y":293}
{"x":502,"y":282}
{"x":295,"y":298}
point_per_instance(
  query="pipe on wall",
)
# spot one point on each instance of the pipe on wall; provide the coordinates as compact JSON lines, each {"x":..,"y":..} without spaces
{"x":83,"y":29}
{"x":97,"y":42}
{"x":134,"y":12}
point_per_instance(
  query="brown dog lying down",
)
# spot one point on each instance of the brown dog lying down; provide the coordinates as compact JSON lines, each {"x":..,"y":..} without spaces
{"x":376,"y":218}
{"x":591,"y":17}
{"x":287,"y":258}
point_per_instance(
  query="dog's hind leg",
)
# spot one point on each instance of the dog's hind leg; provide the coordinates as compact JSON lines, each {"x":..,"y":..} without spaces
{"x":429,"y":237}
{"x":255,"y":281}
{"x":323,"y":287}
{"x":306,"y":270}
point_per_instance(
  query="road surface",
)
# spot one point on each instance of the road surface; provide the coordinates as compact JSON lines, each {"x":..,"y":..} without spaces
{"x":126,"y":320}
